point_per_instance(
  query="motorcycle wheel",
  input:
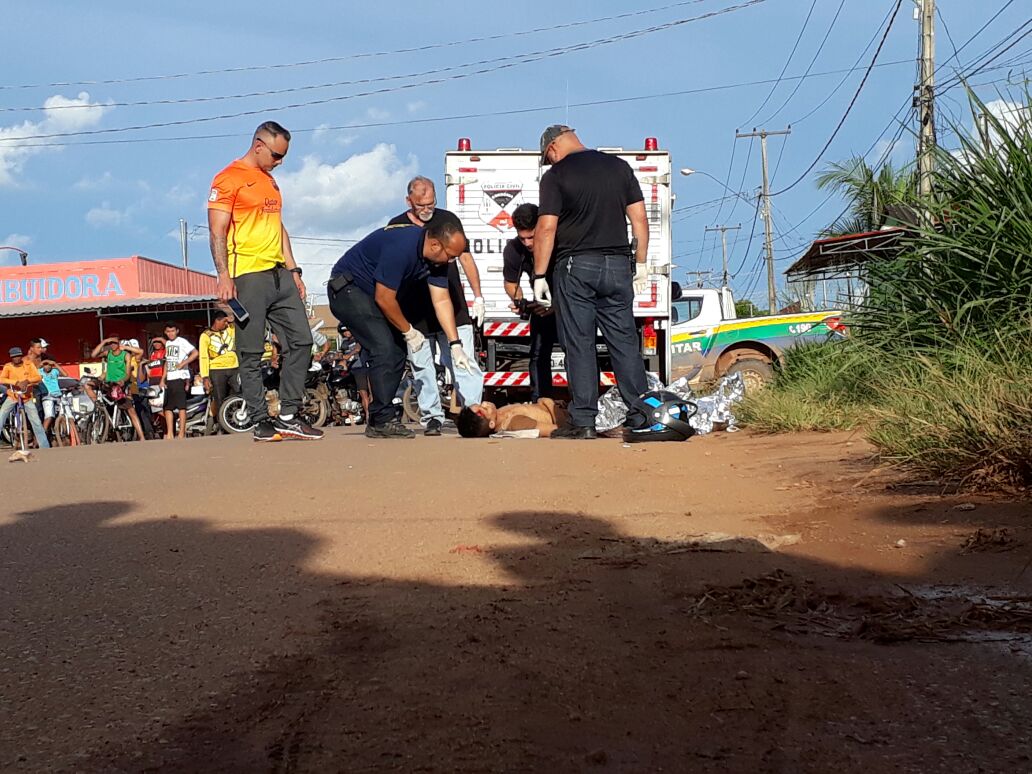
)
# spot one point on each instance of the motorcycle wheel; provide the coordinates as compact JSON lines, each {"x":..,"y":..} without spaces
{"x":233,"y":416}
{"x":315,"y":410}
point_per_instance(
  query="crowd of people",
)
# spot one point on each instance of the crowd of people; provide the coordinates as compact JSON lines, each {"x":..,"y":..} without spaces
{"x":399,"y":294}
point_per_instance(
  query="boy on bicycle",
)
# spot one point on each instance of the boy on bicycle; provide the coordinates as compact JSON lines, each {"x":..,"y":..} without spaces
{"x":118,"y":373}
{"x":19,"y":376}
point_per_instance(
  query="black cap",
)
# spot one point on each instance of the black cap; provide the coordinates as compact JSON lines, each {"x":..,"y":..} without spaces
{"x":15,"y":352}
{"x":549,"y":136}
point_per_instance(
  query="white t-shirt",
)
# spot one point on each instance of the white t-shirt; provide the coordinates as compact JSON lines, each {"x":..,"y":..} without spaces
{"x":176,"y":351}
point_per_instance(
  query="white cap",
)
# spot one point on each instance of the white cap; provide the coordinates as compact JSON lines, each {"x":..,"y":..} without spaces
{"x":44,"y":343}
{"x":132,"y":343}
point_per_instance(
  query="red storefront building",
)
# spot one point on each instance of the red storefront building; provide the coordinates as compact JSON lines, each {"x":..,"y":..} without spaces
{"x":75,"y":305}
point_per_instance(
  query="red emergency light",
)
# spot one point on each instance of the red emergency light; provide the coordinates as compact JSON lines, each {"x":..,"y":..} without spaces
{"x":651,"y":144}
{"x":464,"y":144}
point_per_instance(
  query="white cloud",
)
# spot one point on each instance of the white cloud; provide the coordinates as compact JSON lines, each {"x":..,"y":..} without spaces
{"x":324,"y":135}
{"x":415,"y":107}
{"x":17,"y":240}
{"x":107,"y":216}
{"x":95,"y":183}
{"x":341,"y":201}
{"x":377,"y":114}
{"x":61,"y":114}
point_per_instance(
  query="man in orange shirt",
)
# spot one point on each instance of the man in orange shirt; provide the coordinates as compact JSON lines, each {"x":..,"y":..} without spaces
{"x":19,"y":376}
{"x":255,"y":265}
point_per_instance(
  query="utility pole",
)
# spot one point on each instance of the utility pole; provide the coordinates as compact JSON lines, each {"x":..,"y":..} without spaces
{"x":925,"y":98}
{"x":700,"y":276}
{"x":768,"y":226}
{"x":723,"y":242}
{"x":183,"y":241}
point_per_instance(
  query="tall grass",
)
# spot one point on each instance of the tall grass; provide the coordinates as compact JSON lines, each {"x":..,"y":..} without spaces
{"x":939,"y":369}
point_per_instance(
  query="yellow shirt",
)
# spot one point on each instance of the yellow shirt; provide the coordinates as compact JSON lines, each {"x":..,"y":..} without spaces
{"x":27,"y":372}
{"x":252,"y":198}
{"x":218,"y":350}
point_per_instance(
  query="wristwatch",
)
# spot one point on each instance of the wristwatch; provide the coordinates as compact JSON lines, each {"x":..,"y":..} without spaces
{"x":297,"y":270}
{"x":453,"y":343}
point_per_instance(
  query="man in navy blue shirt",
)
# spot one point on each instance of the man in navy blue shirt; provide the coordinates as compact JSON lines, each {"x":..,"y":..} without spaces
{"x":363,"y":294}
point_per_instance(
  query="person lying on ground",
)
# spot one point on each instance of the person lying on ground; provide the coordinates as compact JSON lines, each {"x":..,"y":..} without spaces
{"x":482,"y":419}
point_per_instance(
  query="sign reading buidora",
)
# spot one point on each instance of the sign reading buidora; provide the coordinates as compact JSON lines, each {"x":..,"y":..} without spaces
{"x":80,"y":286}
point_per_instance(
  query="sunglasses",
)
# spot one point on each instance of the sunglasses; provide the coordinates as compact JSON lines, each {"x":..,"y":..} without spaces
{"x":275,"y":156}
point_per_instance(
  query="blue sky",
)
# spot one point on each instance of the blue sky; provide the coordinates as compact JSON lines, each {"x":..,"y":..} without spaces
{"x":76,"y":201}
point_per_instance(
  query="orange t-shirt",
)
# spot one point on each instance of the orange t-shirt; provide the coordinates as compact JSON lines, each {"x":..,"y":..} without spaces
{"x":253,"y":200}
{"x":12,"y":374}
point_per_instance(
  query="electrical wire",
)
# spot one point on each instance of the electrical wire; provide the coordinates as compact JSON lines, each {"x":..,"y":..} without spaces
{"x":849,"y":108}
{"x":457,"y":76}
{"x":349,"y":57}
{"x":374,"y":124}
{"x":791,"y":55}
{"x":809,"y":67}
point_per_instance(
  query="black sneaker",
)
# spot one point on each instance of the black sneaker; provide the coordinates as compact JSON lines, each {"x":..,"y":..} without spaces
{"x":266,"y":431}
{"x":295,"y":428}
{"x":573,"y":432}
{"x":433,"y":427}
{"x":390,"y":430}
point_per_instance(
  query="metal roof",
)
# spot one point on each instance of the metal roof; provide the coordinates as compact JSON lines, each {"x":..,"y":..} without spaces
{"x":828,"y":258}
{"x":105,"y":305}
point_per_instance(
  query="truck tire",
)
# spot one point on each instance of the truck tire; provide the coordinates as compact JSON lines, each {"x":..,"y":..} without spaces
{"x":756,"y":373}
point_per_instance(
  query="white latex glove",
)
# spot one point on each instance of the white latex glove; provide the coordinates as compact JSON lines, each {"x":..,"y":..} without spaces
{"x":641,"y":277}
{"x":459,"y":358}
{"x":479,"y":311}
{"x":414,"y":339}
{"x":542,"y":293}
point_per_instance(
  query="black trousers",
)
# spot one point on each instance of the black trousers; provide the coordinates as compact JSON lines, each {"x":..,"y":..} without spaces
{"x":383,"y":346}
{"x":143,"y":411}
{"x":271,"y":296}
{"x":543,"y":336}
{"x":224,"y":384}
{"x":595,"y":291}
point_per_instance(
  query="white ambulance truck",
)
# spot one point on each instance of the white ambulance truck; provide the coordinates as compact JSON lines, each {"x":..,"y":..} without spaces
{"x":484,"y":187}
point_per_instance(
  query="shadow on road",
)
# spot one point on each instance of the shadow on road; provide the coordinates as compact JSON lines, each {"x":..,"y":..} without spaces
{"x":172,"y":646}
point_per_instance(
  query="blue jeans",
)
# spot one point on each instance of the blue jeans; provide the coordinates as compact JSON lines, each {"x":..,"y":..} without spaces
{"x":424,"y":374}
{"x":30,"y":413}
{"x":595,"y":291}
{"x":543,"y":336}
{"x":469,"y":383}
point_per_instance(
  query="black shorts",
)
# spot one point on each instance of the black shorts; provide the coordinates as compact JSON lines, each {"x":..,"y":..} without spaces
{"x":175,"y":395}
{"x":361,"y":375}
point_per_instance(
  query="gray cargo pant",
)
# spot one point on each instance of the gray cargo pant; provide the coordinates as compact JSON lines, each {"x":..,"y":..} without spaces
{"x":272,"y":296}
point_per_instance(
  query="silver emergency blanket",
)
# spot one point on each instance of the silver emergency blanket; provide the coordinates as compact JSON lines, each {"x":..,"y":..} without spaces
{"x":714,"y":409}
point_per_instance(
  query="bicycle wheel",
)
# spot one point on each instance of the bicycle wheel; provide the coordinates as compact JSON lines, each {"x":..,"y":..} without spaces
{"x":410,"y":404}
{"x":100,"y":428}
{"x":62,"y":431}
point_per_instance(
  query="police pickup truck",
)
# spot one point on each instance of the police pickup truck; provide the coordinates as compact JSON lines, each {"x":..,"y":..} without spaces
{"x":705,"y":332}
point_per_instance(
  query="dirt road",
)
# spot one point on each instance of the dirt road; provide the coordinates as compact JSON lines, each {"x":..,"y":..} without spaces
{"x":734,"y":603}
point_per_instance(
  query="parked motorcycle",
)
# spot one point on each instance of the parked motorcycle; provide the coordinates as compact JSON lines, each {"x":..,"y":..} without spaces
{"x":345,"y":403}
{"x":235,"y":418}
{"x":199,"y":419}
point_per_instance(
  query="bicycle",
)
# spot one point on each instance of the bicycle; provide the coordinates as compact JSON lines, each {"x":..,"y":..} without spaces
{"x":14,"y":428}
{"x":66,"y":427}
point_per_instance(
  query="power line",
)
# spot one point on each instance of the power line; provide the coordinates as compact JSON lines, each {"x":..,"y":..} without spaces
{"x":809,"y":67}
{"x":402,"y":122}
{"x":791,"y":55}
{"x":845,"y":78}
{"x":535,"y":56}
{"x":849,"y":108}
{"x":366,"y":55}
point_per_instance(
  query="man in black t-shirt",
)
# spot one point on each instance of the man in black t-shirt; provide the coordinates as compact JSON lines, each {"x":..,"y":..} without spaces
{"x":415,"y":302}
{"x":517,"y":260}
{"x":586,"y":199}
